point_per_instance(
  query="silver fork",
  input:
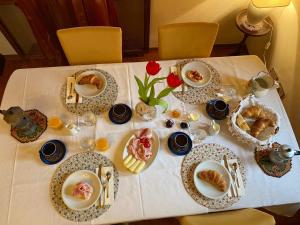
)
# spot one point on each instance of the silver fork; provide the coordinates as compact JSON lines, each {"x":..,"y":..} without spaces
{"x":233,"y":175}
{"x":103,"y":184}
{"x":234,"y":167}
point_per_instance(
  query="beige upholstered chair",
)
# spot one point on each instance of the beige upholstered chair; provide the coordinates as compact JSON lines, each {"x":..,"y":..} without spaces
{"x":236,"y":217}
{"x":91,"y":45}
{"x":186,"y":40}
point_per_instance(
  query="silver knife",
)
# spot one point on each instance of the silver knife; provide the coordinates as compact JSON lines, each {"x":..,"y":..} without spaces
{"x":227,"y":167}
{"x":99,"y":175}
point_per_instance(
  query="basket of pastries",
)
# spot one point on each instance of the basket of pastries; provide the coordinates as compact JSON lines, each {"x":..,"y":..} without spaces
{"x":253,"y":123}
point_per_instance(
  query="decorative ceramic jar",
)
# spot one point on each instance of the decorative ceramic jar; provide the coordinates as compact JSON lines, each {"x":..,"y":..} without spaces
{"x":145,"y":112}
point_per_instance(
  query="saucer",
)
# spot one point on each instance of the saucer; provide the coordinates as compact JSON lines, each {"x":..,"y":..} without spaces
{"x":120,"y":120}
{"x":182,"y":151}
{"x":211,"y":113}
{"x":58,"y":156}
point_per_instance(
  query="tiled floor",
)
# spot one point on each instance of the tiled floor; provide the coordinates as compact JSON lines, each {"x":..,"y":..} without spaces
{"x":13,"y":63}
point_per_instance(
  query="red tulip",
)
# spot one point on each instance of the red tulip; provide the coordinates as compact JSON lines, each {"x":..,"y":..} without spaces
{"x":152,"y":68}
{"x":174,"y":80}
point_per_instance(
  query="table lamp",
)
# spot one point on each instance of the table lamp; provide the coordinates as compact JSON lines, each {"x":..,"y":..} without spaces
{"x":258,"y":10}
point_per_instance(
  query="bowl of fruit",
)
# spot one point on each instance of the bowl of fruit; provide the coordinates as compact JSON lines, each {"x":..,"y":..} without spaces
{"x":140,"y":150}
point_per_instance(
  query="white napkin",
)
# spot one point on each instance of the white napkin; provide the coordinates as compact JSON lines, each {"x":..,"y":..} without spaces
{"x":110,"y":187}
{"x":71,"y":80}
{"x":241,"y":188}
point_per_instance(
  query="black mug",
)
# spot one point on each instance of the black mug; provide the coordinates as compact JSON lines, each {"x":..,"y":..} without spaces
{"x":48,"y":150}
{"x":180,"y":142}
{"x":119,"y":111}
{"x":220,"y":108}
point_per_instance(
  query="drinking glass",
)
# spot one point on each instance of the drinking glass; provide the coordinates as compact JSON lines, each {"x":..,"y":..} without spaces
{"x":87,"y":131}
{"x":87,"y":137}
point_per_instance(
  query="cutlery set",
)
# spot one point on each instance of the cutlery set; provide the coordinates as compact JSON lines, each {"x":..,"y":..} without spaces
{"x":71,"y":95}
{"x":105,"y":175}
{"x":237,"y":188}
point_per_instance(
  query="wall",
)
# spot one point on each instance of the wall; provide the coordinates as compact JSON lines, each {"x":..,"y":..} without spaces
{"x":175,"y":11}
{"x":284,"y":56}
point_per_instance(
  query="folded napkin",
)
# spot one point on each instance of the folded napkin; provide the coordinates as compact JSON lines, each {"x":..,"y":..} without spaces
{"x":71,"y":91}
{"x":237,"y":191}
{"x":109,"y":197}
{"x":176,"y":70}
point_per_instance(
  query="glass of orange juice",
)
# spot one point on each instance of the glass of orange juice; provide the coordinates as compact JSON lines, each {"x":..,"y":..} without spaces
{"x":55,"y":122}
{"x":102,"y":144}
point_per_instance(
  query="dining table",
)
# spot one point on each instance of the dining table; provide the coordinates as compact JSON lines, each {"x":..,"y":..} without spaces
{"x":157,"y":192}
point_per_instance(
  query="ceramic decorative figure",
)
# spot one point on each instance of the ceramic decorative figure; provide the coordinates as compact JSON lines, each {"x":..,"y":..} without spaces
{"x":146,"y":108}
{"x":19,"y":120}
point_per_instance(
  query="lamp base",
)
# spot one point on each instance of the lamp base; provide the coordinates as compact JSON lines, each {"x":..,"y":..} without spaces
{"x":262,"y":28}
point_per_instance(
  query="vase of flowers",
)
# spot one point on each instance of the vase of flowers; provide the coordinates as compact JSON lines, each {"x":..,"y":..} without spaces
{"x":146,"y":109}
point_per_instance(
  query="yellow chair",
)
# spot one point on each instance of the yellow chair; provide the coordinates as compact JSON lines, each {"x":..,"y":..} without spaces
{"x":236,"y":217}
{"x":91,"y":45}
{"x":186,"y":40}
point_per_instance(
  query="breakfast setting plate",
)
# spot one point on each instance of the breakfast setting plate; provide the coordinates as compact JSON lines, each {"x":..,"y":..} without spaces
{"x":141,"y":150}
{"x":87,"y":182}
{"x":196,"y":74}
{"x":90,"y":83}
{"x":220,"y":173}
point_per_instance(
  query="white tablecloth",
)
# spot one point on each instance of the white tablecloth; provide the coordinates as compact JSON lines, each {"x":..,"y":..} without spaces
{"x":155,"y":193}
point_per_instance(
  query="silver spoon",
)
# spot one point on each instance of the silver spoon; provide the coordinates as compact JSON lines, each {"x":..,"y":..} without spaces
{"x":234,"y":166}
{"x":71,"y":90}
{"x":108,"y":176}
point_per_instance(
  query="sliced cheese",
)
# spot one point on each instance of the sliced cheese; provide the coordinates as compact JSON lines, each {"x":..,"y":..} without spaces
{"x":134,"y":165}
{"x":130,"y":162}
{"x":140,"y":167}
{"x":127,"y":159}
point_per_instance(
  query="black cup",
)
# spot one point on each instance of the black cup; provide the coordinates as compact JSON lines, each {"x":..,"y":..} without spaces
{"x":180,"y":142}
{"x":217,"y":109}
{"x":48,"y":150}
{"x":220,"y":106}
{"x":119,"y":111}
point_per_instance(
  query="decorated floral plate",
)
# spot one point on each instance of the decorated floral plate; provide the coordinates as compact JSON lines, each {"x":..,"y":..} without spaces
{"x":204,"y":187}
{"x":94,"y":83}
{"x":196,"y":74}
{"x":89,"y":179}
{"x":140,"y":150}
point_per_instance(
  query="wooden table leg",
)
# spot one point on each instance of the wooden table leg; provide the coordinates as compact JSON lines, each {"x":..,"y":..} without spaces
{"x":242,"y":44}
{"x":2,"y":63}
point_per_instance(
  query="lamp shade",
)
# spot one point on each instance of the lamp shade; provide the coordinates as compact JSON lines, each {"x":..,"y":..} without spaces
{"x":270,"y":3}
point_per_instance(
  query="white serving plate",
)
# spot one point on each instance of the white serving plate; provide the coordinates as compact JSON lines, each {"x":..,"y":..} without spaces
{"x":74,"y":178}
{"x":88,"y":90}
{"x":155,"y":148}
{"x":204,"y":187}
{"x":201,"y":68}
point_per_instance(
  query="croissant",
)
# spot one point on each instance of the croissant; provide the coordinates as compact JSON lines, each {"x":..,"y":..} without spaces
{"x":241,"y":122}
{"x":91,"y":79}
{"x":213,"y":177}
{"x":253,"y":112}
{"x":260,"y":125}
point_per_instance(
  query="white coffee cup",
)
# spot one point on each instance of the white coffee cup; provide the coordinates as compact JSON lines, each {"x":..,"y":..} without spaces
{"x":262,"y":83}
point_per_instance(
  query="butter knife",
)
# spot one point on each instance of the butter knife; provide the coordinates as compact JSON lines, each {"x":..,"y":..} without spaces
{"x":98,"y":171}
{"x":227,"y":167}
